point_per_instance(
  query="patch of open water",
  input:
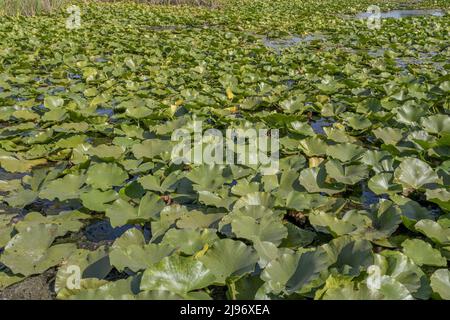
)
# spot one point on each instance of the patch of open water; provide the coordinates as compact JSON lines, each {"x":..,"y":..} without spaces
{"x":399,"y":14}
{"x":319,"y":124}
{"x":283,"y":43}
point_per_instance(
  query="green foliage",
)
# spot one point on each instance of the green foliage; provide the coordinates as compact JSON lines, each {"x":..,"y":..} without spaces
{"x":30,"y":7}
{"x":359,"y":208}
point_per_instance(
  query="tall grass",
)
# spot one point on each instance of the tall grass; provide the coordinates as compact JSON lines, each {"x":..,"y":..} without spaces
{"x":29,"y":7}
{"x":202,"y":3}
{"x":34,"y":7}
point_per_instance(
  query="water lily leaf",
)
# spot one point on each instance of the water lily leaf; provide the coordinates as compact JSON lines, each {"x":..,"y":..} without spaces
{"x":379,"y":161}
{"x":314,"y":180}
{"x":292,"y":105}
{"x":278,"y":272}
{"x":104,"y":151}
{"x":105,"y":175}
{"x":423,"y":253}
{"x":385,"y":217}
{"x":266,"y":229}
{"x":5,"y":235}
{"x":305,"y":201}
{"x":7,"y":280}
{"x":30,"y":251}
{"x":52,"y":102}
{"x":67,"y":187}
{"x":411,"y":211}
{"x":313,"y":146}
{"x":297,"y":237}
{"x":438,"y":124}
{"x":350,"y":174}
{"x":214,"y":200}
{"x":121,"y":212}
{"x":339,"y":287}
{"x":382,"y":183}
{"x":243,"y":187}
{"x":345,"y":152}
{"x":198,"y":220}
{"x":168,"y":216}
{"x":310,"y":265}
{"x":10,"y":185}
{"x":6,"y":230}
{"x":207,"y":177}
{"x":12,"y":164}
{"x":229,"y":259}
{"x":389,"y":135}
{"x":434,"y":231}
{"x":97,"y":200}
{"x":405,"y":271}
{"x":255,"y":199}
{"x":409,"y":113}
{"x":302,"y":128}
{"x":387,"y":289}
{"x":65,"y":221}
{"x":392,"y":277}
{"x":167,"y":295}
{"x":150,"y":206}
{"x":130,"y":63}
{"x":384,"y":287}
{"x":154,"y":183}
{"x":358,"y":122}
{"x":439,"y":196}
{"x":21,"y":198}
{"x":177,"y":274}
{"x":247,"y":287}
{"x":350,"y":256}
{"x":95,"y":289}
{"x":189,"y":241}
{"x":414,"y":173}
{"x":440,"y":282}
{"x":377,"y":223}
{"x":359,"y":145}
{"x":350,"y":222}
{"x":151,"y":148}
{"x":267,"y":251}
{"x":90,"y":264}
{"x":256,"y":212}
{"x":130,"y":251}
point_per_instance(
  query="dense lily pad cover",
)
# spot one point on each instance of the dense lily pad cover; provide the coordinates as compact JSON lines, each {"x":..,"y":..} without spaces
{"x":360,"y":208}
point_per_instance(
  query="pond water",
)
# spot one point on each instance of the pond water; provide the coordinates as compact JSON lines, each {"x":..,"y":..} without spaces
{"x":318,"y":125}
{"x":283,"y":43}
{"x":100,"y":60}
{"x":103,"y":231}
{"x":5,"y":175}
{"x":369,"y":198}
{"x":420,"y":58}
{"x":105,"y":112}
{"x":398,"y":14}
{"x":74,"y":76}
{"x":56,"y":90}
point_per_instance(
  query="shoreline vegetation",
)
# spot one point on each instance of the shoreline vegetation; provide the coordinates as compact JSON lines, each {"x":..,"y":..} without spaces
{"x":39,"y":7}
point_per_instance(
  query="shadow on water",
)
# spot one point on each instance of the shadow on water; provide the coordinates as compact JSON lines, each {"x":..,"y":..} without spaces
{"x":103,"y":231}
{"x":369,"y":198}
{"x":105,"y":112}
{"x":319,"y":124}
{"x":5,"y":175}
